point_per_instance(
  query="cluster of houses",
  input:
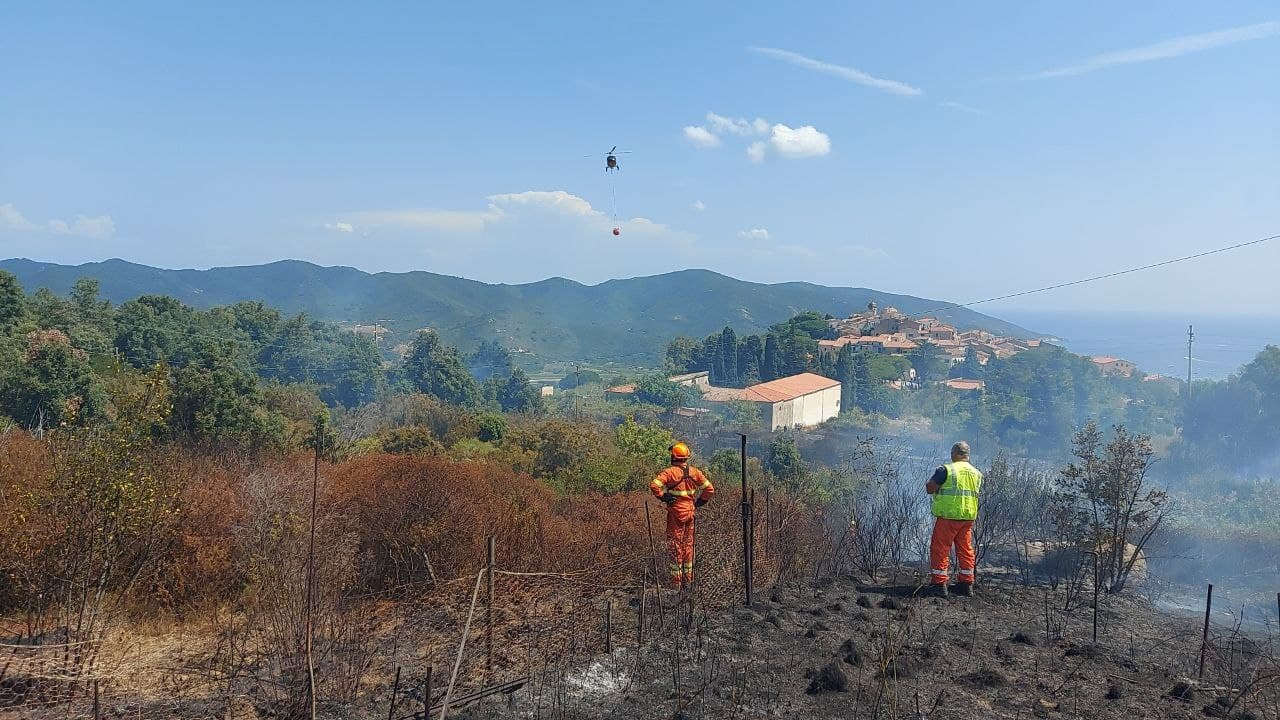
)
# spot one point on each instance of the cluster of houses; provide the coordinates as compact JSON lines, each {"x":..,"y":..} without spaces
{"x":808,"y":399}
{"x":892,"y":332}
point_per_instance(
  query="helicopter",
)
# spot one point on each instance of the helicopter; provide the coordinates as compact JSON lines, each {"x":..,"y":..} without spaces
{"x":611,"y":158}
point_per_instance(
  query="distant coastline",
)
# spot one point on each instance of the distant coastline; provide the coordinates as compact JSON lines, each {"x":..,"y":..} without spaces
{"x":1157,"y":342}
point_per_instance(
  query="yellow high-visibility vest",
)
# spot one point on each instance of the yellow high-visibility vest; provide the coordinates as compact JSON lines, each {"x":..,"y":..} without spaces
{"x":957,"y":499}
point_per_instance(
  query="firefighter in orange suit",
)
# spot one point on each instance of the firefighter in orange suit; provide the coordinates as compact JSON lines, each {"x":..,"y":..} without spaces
{"x":954,"y":487}
{"x":684,"y":489}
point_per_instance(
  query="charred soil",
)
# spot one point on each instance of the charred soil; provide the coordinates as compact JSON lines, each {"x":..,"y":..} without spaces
{"x":839,"y":648}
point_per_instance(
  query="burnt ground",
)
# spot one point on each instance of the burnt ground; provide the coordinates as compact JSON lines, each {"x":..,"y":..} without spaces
{"x":839,"y":648}
{"x":833,"y":648}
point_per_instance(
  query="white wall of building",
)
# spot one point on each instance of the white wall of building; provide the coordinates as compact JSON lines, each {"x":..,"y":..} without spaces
{"x":806,"y":410}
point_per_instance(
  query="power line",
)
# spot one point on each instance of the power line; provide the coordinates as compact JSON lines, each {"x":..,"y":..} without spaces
{"x":1126,"y":271}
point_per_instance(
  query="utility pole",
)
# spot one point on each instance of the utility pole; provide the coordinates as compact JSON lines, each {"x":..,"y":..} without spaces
{"x":577,"y":382}
{"x":1190,"y":338}
{"x":378,"y":330}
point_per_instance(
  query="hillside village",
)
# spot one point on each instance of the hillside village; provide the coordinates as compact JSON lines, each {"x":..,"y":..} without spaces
{"x":809,"y":399}
{"x":894,"y":332}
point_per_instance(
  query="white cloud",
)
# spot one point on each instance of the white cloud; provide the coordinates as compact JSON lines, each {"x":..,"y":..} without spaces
{"x":961,"y":107}
{"x":701,"y":136}
{"x":788,"y":142}
{"x":799,"y":142}
{"x":845,"y":73}
{"x":11,"y":219}
{"x":502,"y":209}
{"x":423,"y":219}
{"x":738,"y":126}
{"x":699,"y":205}
{"x":558,"y":200}
{"x":1171,"y":48}
{"x":758,"y":233}
{"x":97,"y":228}
{"x":520,"y":236}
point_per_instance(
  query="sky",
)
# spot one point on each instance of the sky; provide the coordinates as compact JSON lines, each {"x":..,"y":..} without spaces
{"x":953,"y":152}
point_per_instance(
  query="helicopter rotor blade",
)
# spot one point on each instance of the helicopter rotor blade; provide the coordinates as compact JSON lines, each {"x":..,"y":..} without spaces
{"x":615,"y":147}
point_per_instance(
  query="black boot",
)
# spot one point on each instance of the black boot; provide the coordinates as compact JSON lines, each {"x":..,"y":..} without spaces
{"x":938,"y":590}
{"x":964,"y":589}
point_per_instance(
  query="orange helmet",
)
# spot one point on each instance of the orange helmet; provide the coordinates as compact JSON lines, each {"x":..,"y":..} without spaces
{"x":680,"y":451}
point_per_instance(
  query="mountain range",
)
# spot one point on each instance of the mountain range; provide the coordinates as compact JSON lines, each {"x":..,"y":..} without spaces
{"x":624,"y":321}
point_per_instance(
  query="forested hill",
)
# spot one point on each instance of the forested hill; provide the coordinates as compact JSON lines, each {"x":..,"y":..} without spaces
{"x":628,"y":321}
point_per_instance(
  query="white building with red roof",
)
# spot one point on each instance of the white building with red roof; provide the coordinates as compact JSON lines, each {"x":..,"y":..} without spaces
{"x":802,"y":400}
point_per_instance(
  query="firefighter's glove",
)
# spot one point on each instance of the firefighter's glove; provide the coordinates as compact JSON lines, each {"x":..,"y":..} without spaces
{"x":667,"y":498}
{"x":699,"y":503}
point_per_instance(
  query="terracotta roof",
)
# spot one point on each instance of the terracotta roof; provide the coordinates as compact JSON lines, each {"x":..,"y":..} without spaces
{"x":838,"y":342}
{"x":965,"y":384}
{"x":621,"y":389}
{"x":899,"y":344}
{"x":723,"y":394}
{"x":1103,"y":359}
{"x":789,"y":388}
{"x":893,"y":341}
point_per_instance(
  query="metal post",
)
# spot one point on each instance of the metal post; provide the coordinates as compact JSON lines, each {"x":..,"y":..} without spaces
{"x":395,"y":690}
{"x":746,"y":524}
{"x":488,"y":639}
{"x":1204,"y":639}
{"x":751,"y":536}
{"x":97,"y":704}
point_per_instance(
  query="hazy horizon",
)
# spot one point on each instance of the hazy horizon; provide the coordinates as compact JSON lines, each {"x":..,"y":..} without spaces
{"x":963,"y":154}
{"x":994,"y":309}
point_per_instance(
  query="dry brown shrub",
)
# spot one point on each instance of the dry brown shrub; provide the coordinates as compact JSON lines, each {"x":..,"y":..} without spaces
{"x":24,"y":470}
{"x":426,"y":519}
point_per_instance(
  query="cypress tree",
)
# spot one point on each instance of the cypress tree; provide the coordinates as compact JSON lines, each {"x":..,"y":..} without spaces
{"x":729,"y":356}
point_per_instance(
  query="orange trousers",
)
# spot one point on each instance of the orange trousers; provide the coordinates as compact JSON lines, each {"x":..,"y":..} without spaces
{"x":945,"y":534}
{"x":680,"y":551}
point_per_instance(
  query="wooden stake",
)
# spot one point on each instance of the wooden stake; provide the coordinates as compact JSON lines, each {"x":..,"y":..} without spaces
{"x":488,"y":639}
{"x":608,"y":626}
{"x":395,"y":690}
{"x":426,"y":694}
{"x":644,"y":587}
{"x":657,"y":577}
{"x":1095,"y":598}
{"x":768,"y":524}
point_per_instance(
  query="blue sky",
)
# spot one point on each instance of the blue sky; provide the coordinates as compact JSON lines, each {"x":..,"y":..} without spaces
{"x":952,"y":152}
